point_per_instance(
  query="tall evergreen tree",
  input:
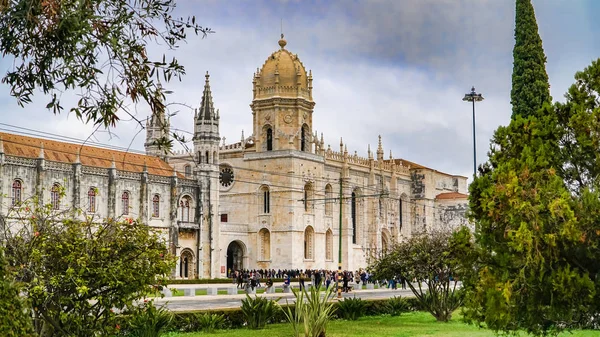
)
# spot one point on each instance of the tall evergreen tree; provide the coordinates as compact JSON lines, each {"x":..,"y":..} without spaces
{"x":530,"y":87}
{"x":536,"y":203}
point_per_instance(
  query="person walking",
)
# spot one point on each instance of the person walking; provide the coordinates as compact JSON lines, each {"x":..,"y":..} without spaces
{"x":301,"y":280}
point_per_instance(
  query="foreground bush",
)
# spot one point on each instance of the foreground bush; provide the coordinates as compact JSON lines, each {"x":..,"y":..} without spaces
{"x":234,"y":317}
{"x":258,"y":311}
{"x":398,"y":305}
{"x":210,"y":322}
{"x":312,"y":312}
{"x":147,"y":320}
{"x":15,"y":320}
{"x":75,"y":271}
{"x":351,"y":308}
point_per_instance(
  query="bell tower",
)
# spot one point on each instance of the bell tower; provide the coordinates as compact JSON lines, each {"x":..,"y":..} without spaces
{"x":282,"y":104}
{"x":206,"y":155}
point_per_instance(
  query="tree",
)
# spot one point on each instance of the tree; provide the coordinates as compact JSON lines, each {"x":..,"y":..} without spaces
{"x":15,"y":320}
{"x":97,"y":49}
{"x":75,"y":270}
{"x":530,"y":86}
{"x":536,"y":206}
{"x":433,"y":262}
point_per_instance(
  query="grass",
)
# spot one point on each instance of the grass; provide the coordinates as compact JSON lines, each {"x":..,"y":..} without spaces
{"x":407,"y":325}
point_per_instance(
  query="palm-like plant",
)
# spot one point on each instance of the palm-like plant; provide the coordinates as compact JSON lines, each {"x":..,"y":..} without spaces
{"x":312,"y":310}
{"x":258,"y":311}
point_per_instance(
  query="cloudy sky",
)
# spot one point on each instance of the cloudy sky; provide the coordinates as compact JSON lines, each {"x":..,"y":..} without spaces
{"x":396,"y":68}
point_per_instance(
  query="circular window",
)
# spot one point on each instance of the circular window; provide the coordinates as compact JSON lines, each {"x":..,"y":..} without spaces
{"x":226,"y":176}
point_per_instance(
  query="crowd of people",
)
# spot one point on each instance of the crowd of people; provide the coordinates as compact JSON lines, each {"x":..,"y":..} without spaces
{"x":252,"y":278}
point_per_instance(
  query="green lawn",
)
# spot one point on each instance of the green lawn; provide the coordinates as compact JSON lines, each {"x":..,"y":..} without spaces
{"x":407,"y":325}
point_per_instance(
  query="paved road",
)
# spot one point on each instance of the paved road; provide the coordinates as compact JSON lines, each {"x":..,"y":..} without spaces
{"x":206,"y":302}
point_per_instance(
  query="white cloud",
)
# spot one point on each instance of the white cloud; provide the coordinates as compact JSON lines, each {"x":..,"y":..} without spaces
{"x":395,"y":68}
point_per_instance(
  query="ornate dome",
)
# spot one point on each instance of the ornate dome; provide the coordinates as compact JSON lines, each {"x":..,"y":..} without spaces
{"x":283,"y":74}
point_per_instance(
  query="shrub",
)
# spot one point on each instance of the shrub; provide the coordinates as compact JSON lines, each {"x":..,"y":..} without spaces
{"x":148,"y":320}
{"x":312,"y":310}
{"x":398,"y":305}
{"x":258,"y":311}
{"x":351,"y":308}
{"x":15,"y":320}
{"x":186,"y":321}
{"x":210,"y":322}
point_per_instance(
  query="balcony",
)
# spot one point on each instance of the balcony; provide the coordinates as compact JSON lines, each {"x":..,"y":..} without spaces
{"x":188,"y":225}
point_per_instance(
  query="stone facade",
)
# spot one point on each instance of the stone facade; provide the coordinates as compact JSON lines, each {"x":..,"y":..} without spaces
{"x":271,"y":200}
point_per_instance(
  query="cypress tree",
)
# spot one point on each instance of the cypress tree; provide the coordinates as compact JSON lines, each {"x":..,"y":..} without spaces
{"x":530,"y":86}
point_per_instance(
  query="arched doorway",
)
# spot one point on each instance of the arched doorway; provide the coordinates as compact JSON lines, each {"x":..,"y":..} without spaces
{"x":235,"y":256}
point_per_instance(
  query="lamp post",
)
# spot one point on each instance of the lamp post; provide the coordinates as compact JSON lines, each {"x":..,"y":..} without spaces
{"x":473,"y":97}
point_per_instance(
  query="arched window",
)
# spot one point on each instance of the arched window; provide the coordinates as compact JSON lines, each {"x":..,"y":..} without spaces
{"x":304,"y":139}
{"x":269,"y":139}
{"x":92,"y":200}
{"x":55,"y":197}
{"x":185,"y":205}
{"x":17,"y":192}
{"x":328,"y":200}
{"x":188,"y":171}
{"x":264,"y":237}
{"x":308,"y":197}
{"x":329,"y":245}
{"x":186,"y":264}
{"x":206,"y":159}
{"x":125,"y":203}
{"x":266,"y":199}
{"x":353,"y":213}
{"x":155,"y":206}
{"x":400,"y":213}
{"x":309,"y":238}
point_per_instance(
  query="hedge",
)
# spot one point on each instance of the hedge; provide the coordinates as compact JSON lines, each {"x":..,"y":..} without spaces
{"x":186,"y":321}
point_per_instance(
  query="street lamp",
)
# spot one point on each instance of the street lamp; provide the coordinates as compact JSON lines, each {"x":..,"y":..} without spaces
{"x":473,"y":97}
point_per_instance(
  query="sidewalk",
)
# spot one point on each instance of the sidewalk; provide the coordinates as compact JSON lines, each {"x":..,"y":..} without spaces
{"x":242,"y":296}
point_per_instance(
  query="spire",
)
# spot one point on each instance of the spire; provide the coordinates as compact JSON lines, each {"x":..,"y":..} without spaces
{"x":1,"y":145}
{"x":391,"y":157}
{"x":41,"y":156}
{"x":207,"y":109}
{"x":380,"y":150}
{"x":242,"y":136}
{"x":369,"y":154}
{"x":113,"y":165}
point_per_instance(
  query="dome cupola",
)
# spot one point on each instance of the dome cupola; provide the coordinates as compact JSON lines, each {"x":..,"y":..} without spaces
{"x":282,"y":75}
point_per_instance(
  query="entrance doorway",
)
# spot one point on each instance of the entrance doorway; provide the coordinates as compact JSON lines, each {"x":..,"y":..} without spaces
{"x":235,"y":257}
